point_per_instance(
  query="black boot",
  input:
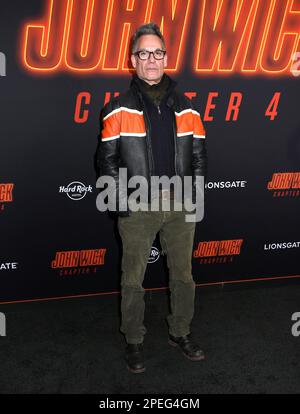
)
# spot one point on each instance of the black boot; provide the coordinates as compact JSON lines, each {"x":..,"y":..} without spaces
{"x":135,"y":358}
{"x":189,"y":349}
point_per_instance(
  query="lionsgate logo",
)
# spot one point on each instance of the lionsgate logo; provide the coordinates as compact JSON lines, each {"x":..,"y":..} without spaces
{"x":75,"y":190}
{"x":282,"y":245}
{"x":187,"y":195}
{"x":212,"y":185}
{"x":8,"y":266}
{"x":2,"y":64}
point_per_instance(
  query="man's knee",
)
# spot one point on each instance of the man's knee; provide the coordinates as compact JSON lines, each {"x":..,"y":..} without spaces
{"x":132,"y":285}
{"x":184,"y":278}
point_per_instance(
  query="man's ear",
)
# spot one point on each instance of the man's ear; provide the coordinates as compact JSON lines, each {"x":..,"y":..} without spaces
{"x":133,"y":60}
{"x":165,"y":61}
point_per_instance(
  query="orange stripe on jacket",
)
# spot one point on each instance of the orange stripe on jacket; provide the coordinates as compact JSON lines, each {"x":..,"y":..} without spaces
{"x":184,"y":122}
{"x":199,"y":130}
{"x":189,"y":123}
{"x":132,"y":124}
{"x":122,"y":122}
{"x":111,"y":127}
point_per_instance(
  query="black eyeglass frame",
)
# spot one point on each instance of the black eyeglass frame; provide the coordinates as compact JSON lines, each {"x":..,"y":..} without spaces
{"x":149,"y":54}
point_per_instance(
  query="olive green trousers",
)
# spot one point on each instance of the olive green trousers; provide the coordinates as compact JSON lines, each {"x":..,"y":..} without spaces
{"x":138,"y":231}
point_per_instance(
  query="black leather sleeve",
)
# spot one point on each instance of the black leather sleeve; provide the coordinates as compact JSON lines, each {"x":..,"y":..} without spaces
{"x":200,"y":157}
{"x":199,"y":149}
{"x":108,"y":153}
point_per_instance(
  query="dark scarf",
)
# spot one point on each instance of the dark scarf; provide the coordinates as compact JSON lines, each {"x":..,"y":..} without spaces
{"x":154,"y":92}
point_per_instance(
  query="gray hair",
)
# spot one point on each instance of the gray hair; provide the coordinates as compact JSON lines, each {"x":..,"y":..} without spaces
{"x":146,"y":29}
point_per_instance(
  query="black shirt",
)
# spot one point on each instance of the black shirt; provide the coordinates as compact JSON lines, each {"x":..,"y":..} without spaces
{"x":161,"y":119}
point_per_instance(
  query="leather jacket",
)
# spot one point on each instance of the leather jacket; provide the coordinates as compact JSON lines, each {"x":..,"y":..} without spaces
{"x":125,"y":138}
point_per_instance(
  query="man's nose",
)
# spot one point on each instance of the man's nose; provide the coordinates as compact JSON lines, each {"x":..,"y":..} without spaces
{"x":151,"y":57}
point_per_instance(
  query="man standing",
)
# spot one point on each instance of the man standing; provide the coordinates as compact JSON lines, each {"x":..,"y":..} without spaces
{"x":153,"y":130}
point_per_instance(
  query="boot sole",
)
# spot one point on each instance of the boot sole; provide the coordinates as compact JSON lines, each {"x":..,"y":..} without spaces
{"x":175,"y":345}
{"x":136,"y":371}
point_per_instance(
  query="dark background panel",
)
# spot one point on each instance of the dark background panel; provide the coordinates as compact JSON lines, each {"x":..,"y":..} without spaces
{"x":42,"y":149}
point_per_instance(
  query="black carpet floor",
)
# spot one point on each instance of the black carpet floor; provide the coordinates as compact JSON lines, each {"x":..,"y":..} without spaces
{"x":74,"y":345}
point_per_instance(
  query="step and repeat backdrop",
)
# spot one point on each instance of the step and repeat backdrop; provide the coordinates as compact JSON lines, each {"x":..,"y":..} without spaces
{"x":61,"y":60}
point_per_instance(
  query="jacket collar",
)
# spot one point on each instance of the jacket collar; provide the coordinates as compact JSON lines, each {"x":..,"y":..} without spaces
{"x":141,"y":87}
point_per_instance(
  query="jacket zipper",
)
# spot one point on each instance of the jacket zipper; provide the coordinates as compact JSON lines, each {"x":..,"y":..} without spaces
{"x":175,"y":142}
{"x":148,"y":134}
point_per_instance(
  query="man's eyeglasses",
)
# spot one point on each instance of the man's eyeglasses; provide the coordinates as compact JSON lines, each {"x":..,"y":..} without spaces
{"x":158,"y":54}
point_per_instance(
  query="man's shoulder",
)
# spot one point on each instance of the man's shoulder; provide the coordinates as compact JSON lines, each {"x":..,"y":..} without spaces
{"x":182,"y":101}
{"x":125,"y":98}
